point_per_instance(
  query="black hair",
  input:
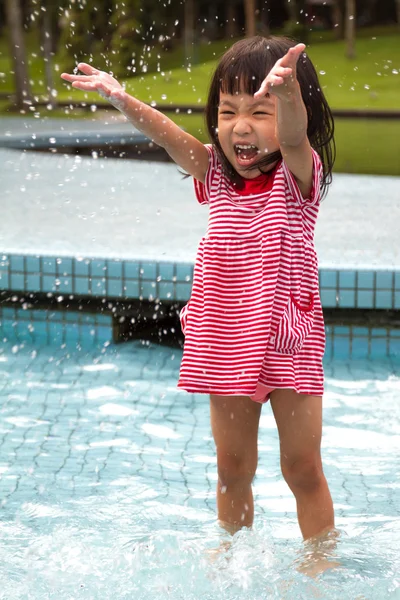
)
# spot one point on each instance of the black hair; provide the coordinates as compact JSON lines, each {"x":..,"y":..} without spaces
{"x":242,"y":69}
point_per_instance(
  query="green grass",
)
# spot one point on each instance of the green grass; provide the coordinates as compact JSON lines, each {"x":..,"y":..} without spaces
{"x":372,"y":80}
{"x":362,"y":146}
{"x":368,"y":147}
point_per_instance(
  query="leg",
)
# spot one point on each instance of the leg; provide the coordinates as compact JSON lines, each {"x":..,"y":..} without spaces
{"x":299,"y":421}
{"x":234,"y":424}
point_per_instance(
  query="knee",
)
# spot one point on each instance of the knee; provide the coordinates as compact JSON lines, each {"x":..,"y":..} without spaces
{"x":234,"y":470}
{"x":303,"y":474}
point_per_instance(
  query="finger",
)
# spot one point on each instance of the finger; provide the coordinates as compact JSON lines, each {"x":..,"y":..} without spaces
{"x":282,"y":71}
{"x":88,"y":69}
{"x":69,"y":77}
{"x":292,"y":56}
{"x":263,"y":89}
{"x":276,"y":80}
{"x":86,"y":86}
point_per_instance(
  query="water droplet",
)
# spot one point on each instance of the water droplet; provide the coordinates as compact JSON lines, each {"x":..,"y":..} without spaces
{"x":322,"y":72}
{"x":163,"y":96}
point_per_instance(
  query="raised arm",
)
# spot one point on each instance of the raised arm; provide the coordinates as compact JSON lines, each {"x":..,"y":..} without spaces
{"x":190,"y":154}
{"x":291,"y":117}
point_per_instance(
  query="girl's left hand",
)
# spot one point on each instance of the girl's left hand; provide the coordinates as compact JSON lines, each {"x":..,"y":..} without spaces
{"x":281,"y":80}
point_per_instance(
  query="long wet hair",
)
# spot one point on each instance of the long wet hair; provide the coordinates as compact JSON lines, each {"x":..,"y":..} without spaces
{"x":242,"y":69}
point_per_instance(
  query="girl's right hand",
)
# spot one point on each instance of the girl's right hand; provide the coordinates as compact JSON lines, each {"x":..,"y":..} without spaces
{"x":94,"y":80}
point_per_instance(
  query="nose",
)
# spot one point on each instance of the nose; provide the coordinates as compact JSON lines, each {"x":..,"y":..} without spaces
{"x":242,"y":126}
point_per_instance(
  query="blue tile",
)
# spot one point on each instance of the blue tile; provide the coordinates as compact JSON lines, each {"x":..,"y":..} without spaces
{"x":48,"y":284}
{"x":328,"y":278}
{"x":33,"y":283}
{"x":385,"y":280}
{"x":81,"y":285}
{"x":328,"y":298}
{"x":147,"y":289}
{"x":131,"y":289}
{"x":347,"y":298}
{"x":8,"y":312}
{"x":341,"y":348}
{"x":64,"y":266}
{"x":395,"y":333}
{"x":65,"y":285}
{"x":23,"y":332}
{"x":183,"y":291}
{"x":4,"y":261}
{"x":166,"y":290}
{"x":114,"y":287}
{"x":366,"y":280}
{"x":48,"y":265}
{"x":394,"y":347}
{"x":72,"y":333}
{"x":384,"y":299}
{"x":379,"y":332}
{"x":379,"y":348}
{"x":148,"y":271}
{"x":347,"y":279}
{"x":17,"y":282}
{"x":397,"y":300}
{"x":184,"y":272}
{"x":114,"y":269}
{"x":365,"y":299}
{"x":397,"y":280}
{"x":33,"y":264}
{"x":56,"y":332}
{"x":87,"y":332}
{"x":104,"y":334}
{"x":360,"y":331}
{"x":359,"y":347}
{"x":341,"y":330}
{"x":17,"y":263}
{"x":24,"y":314}
{"x":81,"y":267}
{"x":104,"y":319}
{"x":98,"y":286}
{"x":39,"y":330}
{"x":131,"y":269}
{"x":39,"y":315}
{"x":98,"y":268}
{"x":166,"y":270}
{"x":71,"y":316}
{"x":4,"y":280}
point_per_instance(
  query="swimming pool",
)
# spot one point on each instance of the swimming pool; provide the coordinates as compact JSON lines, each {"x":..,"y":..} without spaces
{"x":108,"y":474}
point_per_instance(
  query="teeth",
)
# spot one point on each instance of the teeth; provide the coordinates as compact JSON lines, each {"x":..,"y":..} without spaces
{"x":243,"y":147}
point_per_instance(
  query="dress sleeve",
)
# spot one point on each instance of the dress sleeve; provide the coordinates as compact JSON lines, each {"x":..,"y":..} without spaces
{"x":315,"y":194}
{"x":202,"y":190}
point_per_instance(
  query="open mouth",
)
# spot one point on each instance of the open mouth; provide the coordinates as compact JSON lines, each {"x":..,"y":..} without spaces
{"x":246,"y":153}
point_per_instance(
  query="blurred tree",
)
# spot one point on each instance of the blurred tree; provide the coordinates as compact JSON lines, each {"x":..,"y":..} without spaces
{"x":350,"y":26}
{"x":337,"y":19}
{"x":189,"y":31}
{"x":264,"y":12}
{"x":128,"y":40}
{"x":23,"y":94}
{"x":250,"y":17}
{"x":47,"y":13}
{"x":231,"y":19}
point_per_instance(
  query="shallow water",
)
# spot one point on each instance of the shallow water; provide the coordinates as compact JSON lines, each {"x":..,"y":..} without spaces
{"x":108,"y":474}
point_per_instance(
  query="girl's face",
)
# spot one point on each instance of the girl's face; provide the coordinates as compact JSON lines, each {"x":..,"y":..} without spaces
{"x":246,"y":130}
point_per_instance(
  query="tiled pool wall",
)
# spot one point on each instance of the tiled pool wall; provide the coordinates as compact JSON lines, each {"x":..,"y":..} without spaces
{"x":114,"y":282}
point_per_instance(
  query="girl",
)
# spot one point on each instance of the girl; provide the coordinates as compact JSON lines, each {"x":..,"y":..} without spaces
{"x":254,"y":328}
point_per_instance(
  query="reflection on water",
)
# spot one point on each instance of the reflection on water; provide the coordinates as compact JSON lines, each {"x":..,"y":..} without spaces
{"x":107,"y":478}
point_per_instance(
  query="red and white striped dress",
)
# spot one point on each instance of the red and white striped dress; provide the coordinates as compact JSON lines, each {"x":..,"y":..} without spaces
{"x":254,"y":315}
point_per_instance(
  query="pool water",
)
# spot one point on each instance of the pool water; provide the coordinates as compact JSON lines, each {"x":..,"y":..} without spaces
{"x":108,"y":475}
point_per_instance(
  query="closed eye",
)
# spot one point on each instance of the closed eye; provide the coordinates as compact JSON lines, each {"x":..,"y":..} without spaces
{"x":260,"y":112}
{"x":226,"y":112}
